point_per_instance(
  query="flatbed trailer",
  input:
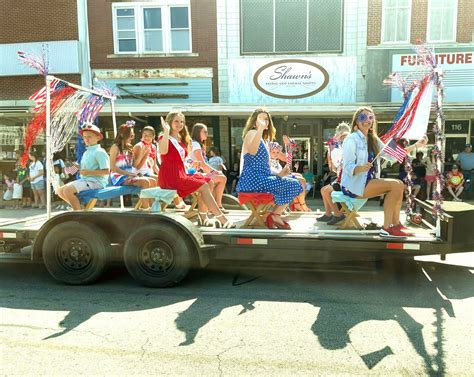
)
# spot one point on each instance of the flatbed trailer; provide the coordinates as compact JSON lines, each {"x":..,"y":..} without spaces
{"x":159,"y":249}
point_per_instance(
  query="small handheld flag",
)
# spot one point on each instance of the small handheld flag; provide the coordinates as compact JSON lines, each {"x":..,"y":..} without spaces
{"x":393,"y":149}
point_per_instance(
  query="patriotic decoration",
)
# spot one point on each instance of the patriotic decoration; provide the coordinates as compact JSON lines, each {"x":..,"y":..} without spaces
{"x":38,"y":123}
{"x":290,"y":147}
{"x":72,"y":169}
{"x":274,"y":146}
{"x":40,"y":96}
{"x":41,"y":64}
{"x":393,"y":149}
{"x":412,"y":119}
{"x":90,"y":109}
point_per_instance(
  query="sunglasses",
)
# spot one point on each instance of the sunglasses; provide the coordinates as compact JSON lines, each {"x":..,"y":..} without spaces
{"x":364,"y":117}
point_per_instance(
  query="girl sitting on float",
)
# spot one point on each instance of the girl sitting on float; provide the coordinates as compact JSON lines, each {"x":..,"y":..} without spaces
{"x":122,"y":171}
{"x":256,"y":175}
{"x":173,"y":145}
{"x":198,"y":155}
{"x":298,"y":204}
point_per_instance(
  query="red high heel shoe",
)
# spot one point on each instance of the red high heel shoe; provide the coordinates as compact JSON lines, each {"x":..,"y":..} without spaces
{"x":271,"y":224}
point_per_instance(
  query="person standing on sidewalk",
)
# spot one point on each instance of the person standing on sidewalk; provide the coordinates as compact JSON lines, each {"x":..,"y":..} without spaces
{"x":466,"y":162}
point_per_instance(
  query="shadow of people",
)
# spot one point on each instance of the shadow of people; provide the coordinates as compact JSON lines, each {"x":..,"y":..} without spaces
{"x":343,"y":301}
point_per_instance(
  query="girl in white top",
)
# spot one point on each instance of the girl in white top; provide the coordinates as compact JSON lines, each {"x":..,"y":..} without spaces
{"x":37,"y":180}
{"x":198,"y":154}
{"x":145,"y":154}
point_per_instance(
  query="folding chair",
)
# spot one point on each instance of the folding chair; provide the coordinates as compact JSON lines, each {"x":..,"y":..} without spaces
{"x":350,"y":206}
{"x":260,"y":204}
{"x":89,"y":198}
{"x":193,"y":211}
{"x":162,"y":197}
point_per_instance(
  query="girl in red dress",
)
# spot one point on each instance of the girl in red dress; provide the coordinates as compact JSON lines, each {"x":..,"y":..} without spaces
{"x":173,"y":146}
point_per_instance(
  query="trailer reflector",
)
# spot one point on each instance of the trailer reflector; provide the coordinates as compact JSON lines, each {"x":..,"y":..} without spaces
{"x":7,"y":235}
{"x":252,"y":241}
{"x":403,"y":246}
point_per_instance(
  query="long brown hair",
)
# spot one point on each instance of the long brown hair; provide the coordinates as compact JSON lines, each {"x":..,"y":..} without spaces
{"x":269,"y":133}
{"x":196,"y":133}
{"x":123,"y":135}
{"x":372,"y":138}
{"x":184,"y":133}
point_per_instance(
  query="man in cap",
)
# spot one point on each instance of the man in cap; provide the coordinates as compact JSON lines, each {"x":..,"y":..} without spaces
{"x":95,"y":167}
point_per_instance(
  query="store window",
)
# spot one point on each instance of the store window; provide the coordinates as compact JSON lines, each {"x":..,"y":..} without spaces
{"x":291,"y":26}
{"x":442,"y":18}
{"x":154,"y":27}
{"x":396,"y":15}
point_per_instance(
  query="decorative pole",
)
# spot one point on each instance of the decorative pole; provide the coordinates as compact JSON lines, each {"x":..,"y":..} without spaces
{"x":49,"y":160}
{"x":438,"y":128}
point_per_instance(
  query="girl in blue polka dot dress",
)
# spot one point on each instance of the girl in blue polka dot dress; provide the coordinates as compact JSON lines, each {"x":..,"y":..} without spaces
{"x":256,"y":175}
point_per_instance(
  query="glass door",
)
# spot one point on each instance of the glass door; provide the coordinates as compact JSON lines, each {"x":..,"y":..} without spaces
{"x":302,"y":153}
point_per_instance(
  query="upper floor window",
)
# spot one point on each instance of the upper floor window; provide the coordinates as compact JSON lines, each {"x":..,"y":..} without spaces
{"x":396,"y":15}
{"x":442,"y":15}
{"x":291,"y":26}
{"x":152,"y":27}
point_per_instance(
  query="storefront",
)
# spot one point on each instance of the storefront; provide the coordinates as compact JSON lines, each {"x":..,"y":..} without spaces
{"x":307,"y":97}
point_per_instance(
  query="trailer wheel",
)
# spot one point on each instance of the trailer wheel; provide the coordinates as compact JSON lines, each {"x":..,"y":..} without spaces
{"x":75,"y":253}
{"x":157,"y":255}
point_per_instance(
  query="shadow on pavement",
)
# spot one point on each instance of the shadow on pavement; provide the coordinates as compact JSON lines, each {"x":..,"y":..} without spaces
{"x":344,"y":300}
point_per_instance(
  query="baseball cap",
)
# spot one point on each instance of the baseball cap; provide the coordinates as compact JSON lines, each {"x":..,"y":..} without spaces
{"x":88,"y":126}
{"x":468,"y":145}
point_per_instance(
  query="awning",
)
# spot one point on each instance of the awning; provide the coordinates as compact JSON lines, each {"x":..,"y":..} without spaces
{"x":224,"y":109}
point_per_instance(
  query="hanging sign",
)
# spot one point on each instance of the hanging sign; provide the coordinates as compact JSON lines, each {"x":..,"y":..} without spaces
{"x":291,"y":78}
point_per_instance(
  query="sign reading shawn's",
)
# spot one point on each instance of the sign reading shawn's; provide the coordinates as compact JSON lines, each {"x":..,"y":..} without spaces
{"x":291,"y":78}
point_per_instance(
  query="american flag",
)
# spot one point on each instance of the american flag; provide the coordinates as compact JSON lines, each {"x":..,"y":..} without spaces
{"x":40,"y":96}
{"x":72,"y":169}
{"x":395,"y":150}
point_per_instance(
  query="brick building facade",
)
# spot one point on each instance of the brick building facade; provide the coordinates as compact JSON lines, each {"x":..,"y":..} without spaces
{"x":448,"y":27}
{"x":27,"y":25}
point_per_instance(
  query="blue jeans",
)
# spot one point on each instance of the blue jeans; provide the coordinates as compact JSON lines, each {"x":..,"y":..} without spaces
{"x":468,"y":180}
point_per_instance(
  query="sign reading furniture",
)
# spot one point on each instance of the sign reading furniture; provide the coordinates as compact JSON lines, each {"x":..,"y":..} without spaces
{"x":291,"y":79}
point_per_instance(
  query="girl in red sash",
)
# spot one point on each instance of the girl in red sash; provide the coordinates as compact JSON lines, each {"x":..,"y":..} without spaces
{"x":173,"y":147}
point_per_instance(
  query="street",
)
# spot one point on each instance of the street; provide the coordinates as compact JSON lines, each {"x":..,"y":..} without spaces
{"x":229,"y":322}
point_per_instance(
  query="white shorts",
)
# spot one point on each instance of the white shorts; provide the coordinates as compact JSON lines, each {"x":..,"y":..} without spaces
{"x":84,"y":184}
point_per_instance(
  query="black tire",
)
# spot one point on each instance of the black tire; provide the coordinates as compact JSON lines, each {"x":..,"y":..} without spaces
{"x":230,"y":202}
{"x":158,"y":255}
{"x":75,"y":253}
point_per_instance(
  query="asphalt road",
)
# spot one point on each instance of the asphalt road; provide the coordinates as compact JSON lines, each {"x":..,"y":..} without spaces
{"x":242,"y":323}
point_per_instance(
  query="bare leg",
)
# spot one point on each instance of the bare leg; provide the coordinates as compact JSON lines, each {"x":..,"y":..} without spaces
{"x":35,"y":198}
{"x":68,"y":194}
{"x":459,"y":192}
{"x":428,"y":190}
{"x":453,"y":195}
{"x":416,"y":190}
{"x":219,"y":181}
{"x":42,"y":196}
{"x":393,"y":189}
{"x":324,"y":194}
{"x":210,"y":202}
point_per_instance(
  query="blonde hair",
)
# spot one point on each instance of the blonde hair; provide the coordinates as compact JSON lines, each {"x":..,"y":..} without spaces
{"x":372,"y":138}
{"x":269,"y":133}
{"x":343,"y":127}
{"x":184,"y":133}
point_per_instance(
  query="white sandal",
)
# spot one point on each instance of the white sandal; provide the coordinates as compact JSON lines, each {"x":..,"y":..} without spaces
{"x":206,"y":222}
{"x":226,"y":225}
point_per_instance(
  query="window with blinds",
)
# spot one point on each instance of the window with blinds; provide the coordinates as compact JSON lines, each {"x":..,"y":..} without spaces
{"x":291,"y":26}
